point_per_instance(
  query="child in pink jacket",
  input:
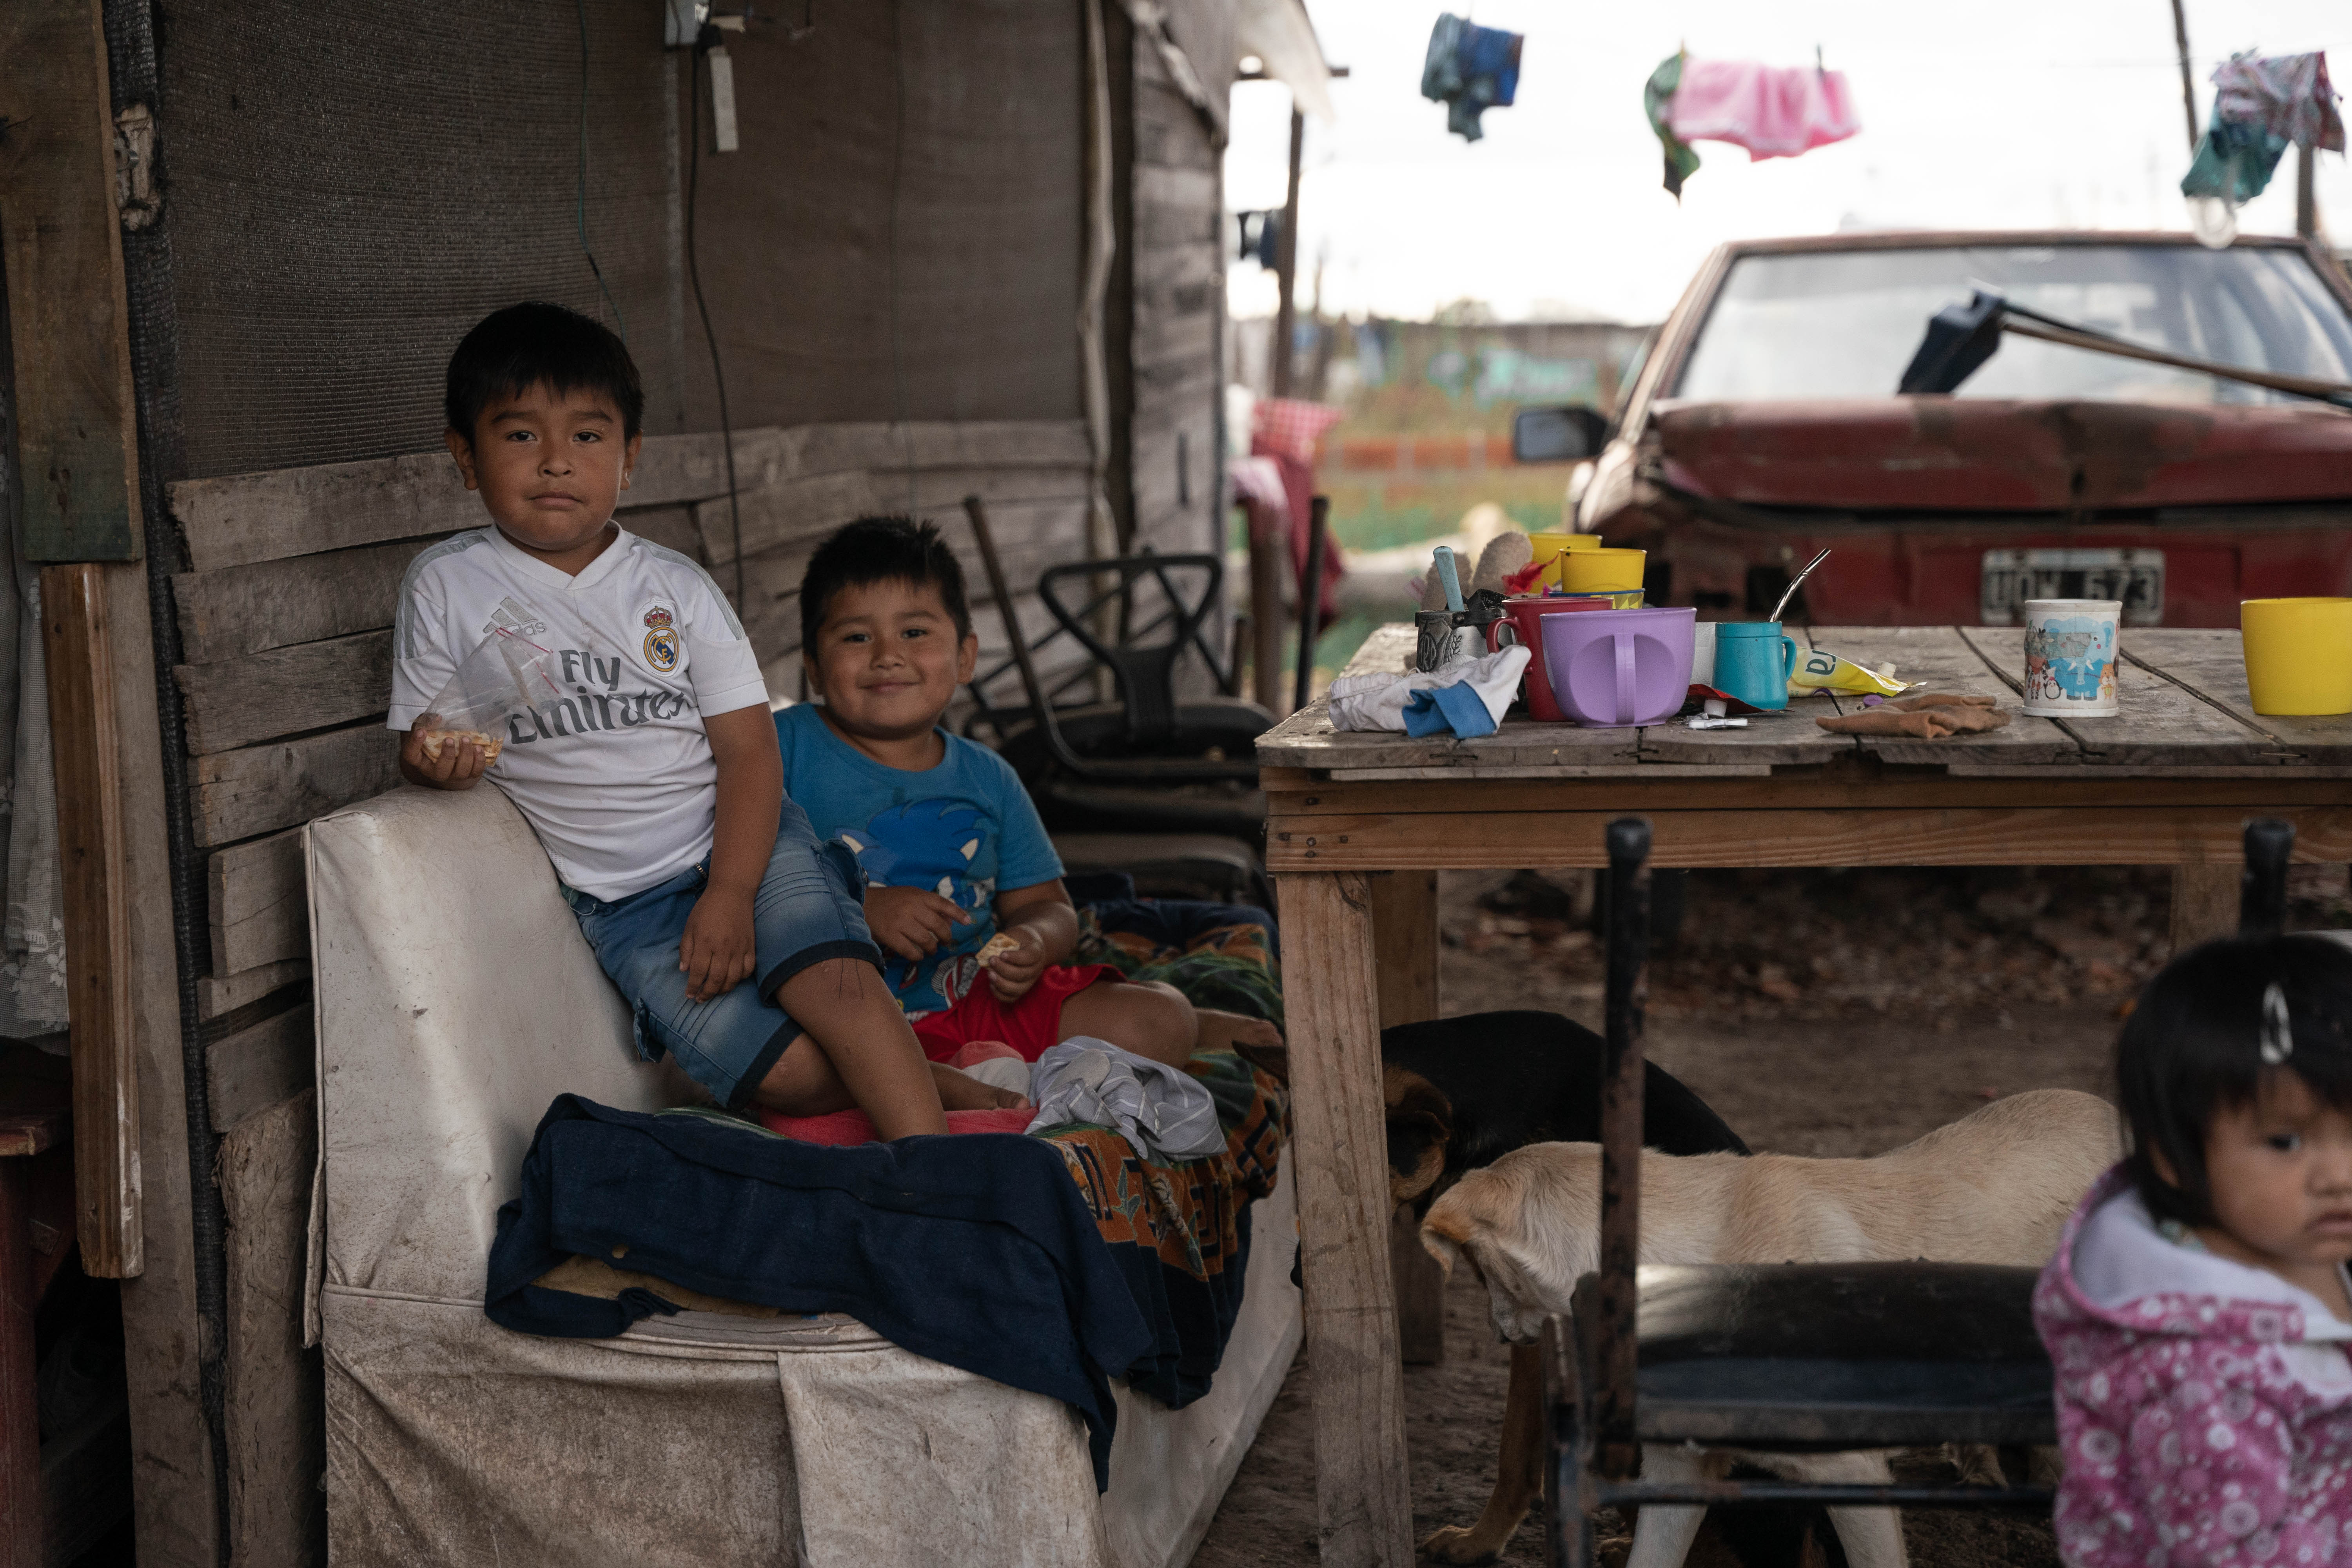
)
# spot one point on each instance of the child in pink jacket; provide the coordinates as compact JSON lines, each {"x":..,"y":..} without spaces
{"x":2198,"y":1309}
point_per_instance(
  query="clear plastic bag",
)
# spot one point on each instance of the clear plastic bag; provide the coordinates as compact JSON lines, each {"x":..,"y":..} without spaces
{"x":507,"y":674}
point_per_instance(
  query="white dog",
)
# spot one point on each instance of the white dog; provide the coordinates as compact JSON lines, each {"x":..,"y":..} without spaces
{"x":1995,"y":1187}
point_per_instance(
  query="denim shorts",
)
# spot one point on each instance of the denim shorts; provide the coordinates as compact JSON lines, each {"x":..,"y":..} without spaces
{"x":810,"y":908}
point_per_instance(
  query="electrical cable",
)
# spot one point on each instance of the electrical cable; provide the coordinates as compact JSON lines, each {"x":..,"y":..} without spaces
{"x":897,"y":153}
{"x":703,"y":42}
{"x":580,"y":204}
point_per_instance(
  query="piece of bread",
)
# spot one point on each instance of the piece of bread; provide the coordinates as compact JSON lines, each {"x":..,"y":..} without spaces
{"x":433,"y":739}
{"x":1505,"y":553}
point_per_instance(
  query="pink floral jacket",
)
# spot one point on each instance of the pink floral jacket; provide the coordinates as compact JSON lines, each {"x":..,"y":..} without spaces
{"x":2204,"y":1407}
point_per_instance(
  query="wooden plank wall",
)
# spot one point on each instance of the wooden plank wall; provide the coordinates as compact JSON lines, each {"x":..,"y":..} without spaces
{"x":286,"y":622}
{"x":1175,"y":254}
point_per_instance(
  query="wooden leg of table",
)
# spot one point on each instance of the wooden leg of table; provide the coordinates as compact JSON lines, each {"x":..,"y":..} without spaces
{"x":1362,"y":1494}
{"x":23,"y":1517}
{"x":1405,"y":929}
{"x":1420,"y":1292}
{"x":1404,"y":933}
{"x":2204,"y":901}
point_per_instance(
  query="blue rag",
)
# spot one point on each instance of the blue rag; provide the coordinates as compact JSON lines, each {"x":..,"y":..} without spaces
{"x":1458,"y":707}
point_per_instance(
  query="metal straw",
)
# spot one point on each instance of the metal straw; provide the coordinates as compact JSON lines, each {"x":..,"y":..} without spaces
{"x":1796,"y":583}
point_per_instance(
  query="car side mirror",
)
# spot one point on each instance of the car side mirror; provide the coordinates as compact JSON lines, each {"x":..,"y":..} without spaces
{"x":1557,"y":435}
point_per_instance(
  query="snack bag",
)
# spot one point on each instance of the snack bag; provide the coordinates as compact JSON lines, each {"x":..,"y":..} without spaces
{"x":507,"y":674}
{"x":1822,"y":671}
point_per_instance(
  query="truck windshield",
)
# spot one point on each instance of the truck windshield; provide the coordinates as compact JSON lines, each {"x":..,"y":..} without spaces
{"x":1839,"y":324}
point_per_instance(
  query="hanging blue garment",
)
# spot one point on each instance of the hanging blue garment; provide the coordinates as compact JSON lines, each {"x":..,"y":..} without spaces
{"x":1470,"y":69}
{"x":2234,"y":162}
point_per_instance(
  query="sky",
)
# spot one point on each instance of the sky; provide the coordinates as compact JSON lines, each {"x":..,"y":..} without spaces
{"x":2003,"y":113}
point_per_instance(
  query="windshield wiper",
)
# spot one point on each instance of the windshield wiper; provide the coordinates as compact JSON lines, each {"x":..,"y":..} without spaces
{"x":1962,"y":338}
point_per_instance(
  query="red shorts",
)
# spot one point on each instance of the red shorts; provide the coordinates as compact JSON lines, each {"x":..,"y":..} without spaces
{"x":1032,"y":1025}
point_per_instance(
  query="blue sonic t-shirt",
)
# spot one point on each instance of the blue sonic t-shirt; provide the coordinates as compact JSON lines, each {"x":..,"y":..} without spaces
{"x":962,"y":830}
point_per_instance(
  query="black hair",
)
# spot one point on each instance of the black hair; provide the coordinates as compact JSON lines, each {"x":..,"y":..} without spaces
{"x":881,"y":549}
{"x":525,"y":345}
{"x":2193,"y":1046}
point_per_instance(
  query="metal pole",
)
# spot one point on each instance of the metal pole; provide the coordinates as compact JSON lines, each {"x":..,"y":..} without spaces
{"x":1285,"y":261}
{"x":2261,"y":887}
{"x":2188,"y":88}
{"x":1628,"y":840}
{"x":1310,"y":601}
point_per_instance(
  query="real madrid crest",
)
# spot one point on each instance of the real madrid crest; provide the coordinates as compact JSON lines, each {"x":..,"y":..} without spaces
{"x":661,"y":640}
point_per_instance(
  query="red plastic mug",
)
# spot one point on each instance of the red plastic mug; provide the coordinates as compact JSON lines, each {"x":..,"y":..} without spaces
{"x":1520,"y":624}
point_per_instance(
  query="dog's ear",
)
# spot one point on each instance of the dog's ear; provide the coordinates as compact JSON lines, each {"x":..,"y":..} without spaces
{"x":1445,"y":1234}
{"x":1271,"y":1060}
{"x":1420,"y":1127}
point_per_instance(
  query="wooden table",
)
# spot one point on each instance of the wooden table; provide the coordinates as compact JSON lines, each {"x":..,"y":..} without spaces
{"x":1359,"y":825}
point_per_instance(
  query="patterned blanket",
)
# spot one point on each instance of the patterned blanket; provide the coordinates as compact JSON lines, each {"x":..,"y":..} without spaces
{"x":1179,"y":1232}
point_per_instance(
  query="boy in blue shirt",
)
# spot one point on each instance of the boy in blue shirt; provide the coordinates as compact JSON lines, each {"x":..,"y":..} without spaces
{"x":963,"y":890}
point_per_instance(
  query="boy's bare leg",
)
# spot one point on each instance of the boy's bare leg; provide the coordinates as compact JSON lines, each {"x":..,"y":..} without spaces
{"x":850,"y":1016}
{"x":802,"y":1083}
{"x":1149,"y":1018}
{"x":1223,"y":1031}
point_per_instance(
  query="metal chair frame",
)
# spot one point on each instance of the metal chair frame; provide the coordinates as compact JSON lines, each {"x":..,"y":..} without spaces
{"x":1592,"y":1445}
{"x":1143,"y":673}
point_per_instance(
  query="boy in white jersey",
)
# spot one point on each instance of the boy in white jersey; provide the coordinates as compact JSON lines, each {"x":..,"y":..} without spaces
{"x":653,"y":780}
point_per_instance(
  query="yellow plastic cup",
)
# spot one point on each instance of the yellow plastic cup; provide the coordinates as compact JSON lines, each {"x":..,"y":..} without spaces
{"x":1601,"y":570}
{"x":1550,"y":547}
{"x":2298,"y":655}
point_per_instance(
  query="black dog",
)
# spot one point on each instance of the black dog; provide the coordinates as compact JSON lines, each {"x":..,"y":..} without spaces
{"x":1509,"y":1080}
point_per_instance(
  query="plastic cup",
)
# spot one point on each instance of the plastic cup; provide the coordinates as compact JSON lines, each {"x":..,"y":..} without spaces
{"x":1551,"y":545}
{"x":1603,"y":570}
{"x":2298,"y":655}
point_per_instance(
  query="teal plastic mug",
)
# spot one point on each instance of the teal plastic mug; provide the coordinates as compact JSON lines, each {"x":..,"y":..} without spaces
{"x":1753,"y":662}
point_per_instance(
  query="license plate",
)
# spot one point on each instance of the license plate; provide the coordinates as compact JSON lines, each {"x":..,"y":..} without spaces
{"x":2133,"y":576}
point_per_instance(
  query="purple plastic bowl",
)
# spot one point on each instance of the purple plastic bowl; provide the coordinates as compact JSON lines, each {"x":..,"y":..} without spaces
{"x":1611,"y":668}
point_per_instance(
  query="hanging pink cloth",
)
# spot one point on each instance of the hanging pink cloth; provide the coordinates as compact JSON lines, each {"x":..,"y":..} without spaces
{"x":1289,"y":430}
{"x":1774,"y":112}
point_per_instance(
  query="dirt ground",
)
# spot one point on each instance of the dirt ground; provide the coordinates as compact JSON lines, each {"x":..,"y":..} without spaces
{"x":1822,"y":1013}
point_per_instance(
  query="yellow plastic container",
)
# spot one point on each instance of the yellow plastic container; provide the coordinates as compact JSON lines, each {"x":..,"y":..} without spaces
{"x":1601,"y":570}
{"x":1550,"y":547}
{"x":2298,"y":655}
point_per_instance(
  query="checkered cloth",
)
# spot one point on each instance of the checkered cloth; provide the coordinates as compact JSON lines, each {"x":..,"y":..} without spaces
{"x":1290,"y":427}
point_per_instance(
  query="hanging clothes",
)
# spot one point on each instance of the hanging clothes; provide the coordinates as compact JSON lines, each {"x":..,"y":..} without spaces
{"x":2262,"y":105}
{"x":1774,"y":112}
{"x":1470,"y":69}
{"x":1289,"y":430}
{"x":1657,"y":98}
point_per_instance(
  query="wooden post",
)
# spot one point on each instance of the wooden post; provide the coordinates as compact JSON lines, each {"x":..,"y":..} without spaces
{"x":2204,"y":903}
{"x":1363,"y":1500}
{"x":1265,"y":622}
{"x":85,"y":739}
{"x":24,"y":1513}
{"x":1285,"y":264}
{"x":76,"y":425}
{"x":1405,"y":934}
{"x":2306,"y":200}
{"x":2188,"y":86}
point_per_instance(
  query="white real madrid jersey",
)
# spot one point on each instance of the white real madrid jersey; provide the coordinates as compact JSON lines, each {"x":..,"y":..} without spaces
{"x":616,"y":774}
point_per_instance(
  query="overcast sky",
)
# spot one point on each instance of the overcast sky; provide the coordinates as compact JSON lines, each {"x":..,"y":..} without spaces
{"x":2006,"y":113}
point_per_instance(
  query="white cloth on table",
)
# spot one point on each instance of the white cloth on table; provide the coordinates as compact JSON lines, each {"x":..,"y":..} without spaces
{"x":1164,"y":1112}
{"x":1380,"y":702}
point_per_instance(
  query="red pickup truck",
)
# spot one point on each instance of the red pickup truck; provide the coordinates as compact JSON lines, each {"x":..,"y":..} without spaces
{"x":1764,"y":426}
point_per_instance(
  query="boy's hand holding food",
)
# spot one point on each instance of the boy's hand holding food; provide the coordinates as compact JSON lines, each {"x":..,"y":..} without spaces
{"x":441,"y":758}
{"x":1014,"y":960}
{"x":912,"y":922}
{"x":717,"y":950}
